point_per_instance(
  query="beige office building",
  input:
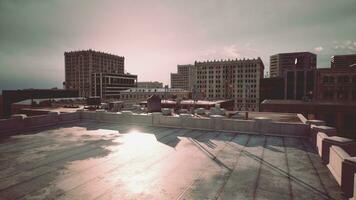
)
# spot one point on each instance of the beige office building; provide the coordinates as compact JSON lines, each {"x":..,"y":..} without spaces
{"x":231,"y":79}
{"x":184,"y":78}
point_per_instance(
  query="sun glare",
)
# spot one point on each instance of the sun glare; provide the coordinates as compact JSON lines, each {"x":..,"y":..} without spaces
{"x":140,"y":139}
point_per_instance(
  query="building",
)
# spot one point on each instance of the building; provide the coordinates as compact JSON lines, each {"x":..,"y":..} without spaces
{"x":298,"y":71}
{"x":150,"y":84}
{"x":80,"y":67}
{"x":299,"y":84}
{"x":342,"y":116}
{"x":12,"y":96}
{"x":336,"y":84}
{"x":343,"y":60}
{"x":184,"y":78}
{"x":296,"y":60}
{"x":231,"y":79}
{"x":271,"y":88}
{"x":108,"y":86}
{"x":136,"y":95}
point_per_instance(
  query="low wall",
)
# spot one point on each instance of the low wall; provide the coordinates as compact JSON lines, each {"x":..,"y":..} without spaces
{"x":336,"y":158}
{"x":239,"y":125}
{"x":218,"y":123}
{"x":22,"y":123}
{"x":320,"y":136}
{"x":337,"y":152}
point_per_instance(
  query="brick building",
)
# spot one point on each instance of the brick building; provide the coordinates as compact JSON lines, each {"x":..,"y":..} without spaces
{"x":289,"y":61}
{"x":343,"y":60}
{"x":336,"y":84}
{"x":272,"y":88}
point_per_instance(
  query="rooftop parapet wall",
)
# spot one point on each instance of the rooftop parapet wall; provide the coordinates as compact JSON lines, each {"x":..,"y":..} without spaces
{"x":22,"y":123}
{"x":219,"y":123}
{"x":337,"y":152}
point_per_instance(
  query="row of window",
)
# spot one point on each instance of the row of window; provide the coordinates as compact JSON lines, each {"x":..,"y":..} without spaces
{"x":340,"y":79}
{"x":340,"y":95}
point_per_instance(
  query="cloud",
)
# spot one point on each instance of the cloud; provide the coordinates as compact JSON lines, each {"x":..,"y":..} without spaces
{"x":345,"y":47}
{"x":232,"y":51}
{"x":318,"y":49}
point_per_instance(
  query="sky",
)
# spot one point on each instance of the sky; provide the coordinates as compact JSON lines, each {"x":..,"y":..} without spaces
{"x":156,"y":35}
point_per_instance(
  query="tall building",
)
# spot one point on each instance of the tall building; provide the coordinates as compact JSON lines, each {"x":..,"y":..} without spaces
{"x":231,"y":79}
{"x":150,"y":84}
{"x":81,"y":67}
{"x":279,"y":63}
{"x":298,"y":70}
{"x":184,"y":78}
{"x":343,"y":60}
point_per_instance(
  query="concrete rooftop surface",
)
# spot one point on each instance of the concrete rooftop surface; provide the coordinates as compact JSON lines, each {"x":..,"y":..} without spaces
{"x":95,"y":160}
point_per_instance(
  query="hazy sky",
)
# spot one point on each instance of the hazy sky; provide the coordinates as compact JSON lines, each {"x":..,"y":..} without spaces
{"x":156,"y":35}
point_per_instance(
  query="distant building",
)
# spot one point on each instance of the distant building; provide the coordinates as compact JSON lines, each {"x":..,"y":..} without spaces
{"x":12,"y":96}
{"x":150,"y":84}
{"x":108,"y":86}
{"x":184,"y":78}
{"x":231,"y":79}
{"x":298,"y":70}
{"x":299,"y":84}
{"x":336,"y":84}
{"x":80,"y":67}
{"x":339,"y":115}
{"x":271,"y":88}
{"x":136,"y":95}
{"x":279,"y":63}
{"x":343,"y":60}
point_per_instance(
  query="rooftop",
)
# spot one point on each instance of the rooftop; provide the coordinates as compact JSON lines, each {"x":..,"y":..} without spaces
{"x":97,"y":160}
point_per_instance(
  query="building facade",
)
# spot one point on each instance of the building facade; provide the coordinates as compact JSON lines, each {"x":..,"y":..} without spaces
{"x":336,"y":84}
{"x":184,"y":78}
{"x":343,"y":60}
{"x":108,"y":86}
{"x":150,"y":84}
{"x":136,"y":95}
{"x":279,"y":63}
{"x":272,"y":88}
{"x":231,"y":79}
{"x":81,"y":65}
{"x":299,"y":84}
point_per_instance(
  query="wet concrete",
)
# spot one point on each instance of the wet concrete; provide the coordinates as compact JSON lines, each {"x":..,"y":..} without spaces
{"x":90,"y":160}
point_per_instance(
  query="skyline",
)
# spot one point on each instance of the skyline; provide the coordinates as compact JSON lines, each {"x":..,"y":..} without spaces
{"x":159,"y":35}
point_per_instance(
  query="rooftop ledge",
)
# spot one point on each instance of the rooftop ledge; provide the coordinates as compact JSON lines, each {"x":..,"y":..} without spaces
{"x":259,"y":125}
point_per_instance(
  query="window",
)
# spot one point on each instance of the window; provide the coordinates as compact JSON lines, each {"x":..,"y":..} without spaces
{"x":342,"y":79}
